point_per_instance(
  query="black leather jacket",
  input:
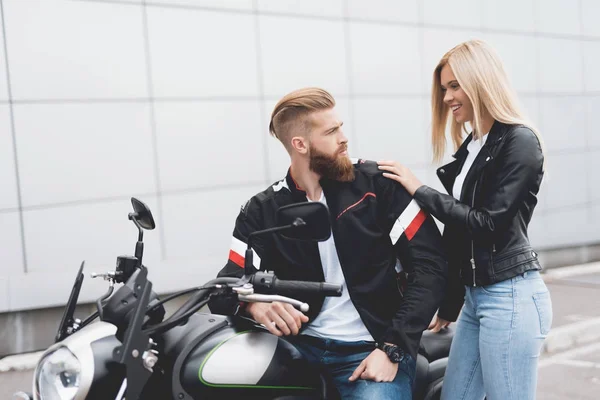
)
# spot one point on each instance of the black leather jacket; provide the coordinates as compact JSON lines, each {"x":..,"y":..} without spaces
{"x":374,"y":221}
{"x":485,"y":233}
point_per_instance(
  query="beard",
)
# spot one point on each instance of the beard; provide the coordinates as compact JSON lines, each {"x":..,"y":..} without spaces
{"x":335,"y":167}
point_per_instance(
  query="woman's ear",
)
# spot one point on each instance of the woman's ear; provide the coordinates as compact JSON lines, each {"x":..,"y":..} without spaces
{"x":300,"y":144}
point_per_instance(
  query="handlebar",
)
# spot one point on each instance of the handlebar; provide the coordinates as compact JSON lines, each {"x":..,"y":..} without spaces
{"x":263,"y":287}
{"x":300,"y":287}
{"x":267,"y":283}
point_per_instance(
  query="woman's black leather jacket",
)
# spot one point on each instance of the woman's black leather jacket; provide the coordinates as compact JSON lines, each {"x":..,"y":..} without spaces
{"x":485,"y":233}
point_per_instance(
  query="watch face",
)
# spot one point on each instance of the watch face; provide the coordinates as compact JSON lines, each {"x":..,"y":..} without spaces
{"x":396,"y":356}
{"x":394,"y":353}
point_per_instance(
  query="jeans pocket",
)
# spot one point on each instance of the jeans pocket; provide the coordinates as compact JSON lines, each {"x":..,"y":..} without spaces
{"x":543,"y":305}
{"x":500,"y":289}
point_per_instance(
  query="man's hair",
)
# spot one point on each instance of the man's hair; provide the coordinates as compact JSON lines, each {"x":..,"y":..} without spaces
{"x":289,"y":118}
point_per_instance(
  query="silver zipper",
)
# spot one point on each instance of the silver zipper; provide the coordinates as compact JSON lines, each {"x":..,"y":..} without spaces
{"x":473,"y":267}
{"x":473,"y":240}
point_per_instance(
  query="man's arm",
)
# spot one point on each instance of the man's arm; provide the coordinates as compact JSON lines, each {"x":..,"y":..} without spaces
{"x":418,"y":245}
{"x":279,"y":318}
{"x":455,"y":294}
{"x":248,"y":220}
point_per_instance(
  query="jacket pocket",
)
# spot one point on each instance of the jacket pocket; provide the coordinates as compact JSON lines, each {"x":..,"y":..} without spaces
{"x":502,"y":256}
{"x":543,"y":305}
{"x":513,"y":258}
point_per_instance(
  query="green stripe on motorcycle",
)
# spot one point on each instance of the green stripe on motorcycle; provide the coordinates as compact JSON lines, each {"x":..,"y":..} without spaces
{"x":238,"y":386}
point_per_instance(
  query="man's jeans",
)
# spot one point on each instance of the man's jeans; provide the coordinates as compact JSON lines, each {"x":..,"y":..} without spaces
{"x":339,"y":360}
{"x":498,"y":340}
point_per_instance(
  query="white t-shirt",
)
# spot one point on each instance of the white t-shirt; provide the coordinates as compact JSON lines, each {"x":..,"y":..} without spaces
{"x":338,"y":318}
{"x":474,"y":147}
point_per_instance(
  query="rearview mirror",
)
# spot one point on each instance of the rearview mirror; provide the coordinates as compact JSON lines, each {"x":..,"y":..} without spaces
{"x":315,"y":224}
{"x":142,"y":214}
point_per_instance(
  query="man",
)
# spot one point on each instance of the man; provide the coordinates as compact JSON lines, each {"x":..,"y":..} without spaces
{"x":368,"y":338}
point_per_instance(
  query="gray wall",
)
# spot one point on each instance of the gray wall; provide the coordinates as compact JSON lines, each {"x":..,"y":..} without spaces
{"x":169,"y":101}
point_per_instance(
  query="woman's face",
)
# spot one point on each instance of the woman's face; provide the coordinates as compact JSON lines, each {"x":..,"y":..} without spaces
{"x":458,"y":101}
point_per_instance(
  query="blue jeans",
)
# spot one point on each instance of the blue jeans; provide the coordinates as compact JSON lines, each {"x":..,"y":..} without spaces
{"x":498,"y":339}
{"x":339,"y":360}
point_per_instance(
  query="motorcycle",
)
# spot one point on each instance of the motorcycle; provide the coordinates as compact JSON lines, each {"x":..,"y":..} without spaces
{"x":127,"y":349}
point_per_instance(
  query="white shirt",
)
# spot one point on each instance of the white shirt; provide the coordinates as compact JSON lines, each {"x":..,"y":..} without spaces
{"x":474,"y":147}
{"x":338,"y":318}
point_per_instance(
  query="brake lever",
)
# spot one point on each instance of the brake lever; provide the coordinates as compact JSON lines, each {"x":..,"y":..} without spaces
{"x":269,"y":298}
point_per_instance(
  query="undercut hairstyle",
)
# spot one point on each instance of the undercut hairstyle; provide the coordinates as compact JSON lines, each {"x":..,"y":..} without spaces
{"x":290,"y":116}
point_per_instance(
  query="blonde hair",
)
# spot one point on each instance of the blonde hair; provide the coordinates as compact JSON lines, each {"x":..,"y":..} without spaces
{"x":289,"y":115}
{"x":480,"y":74}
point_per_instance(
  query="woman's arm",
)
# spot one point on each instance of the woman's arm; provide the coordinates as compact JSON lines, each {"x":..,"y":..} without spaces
{"x":518,"y":165}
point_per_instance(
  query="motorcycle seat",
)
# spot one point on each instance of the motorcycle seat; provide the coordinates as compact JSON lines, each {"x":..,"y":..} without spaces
{"x":436,"y":345}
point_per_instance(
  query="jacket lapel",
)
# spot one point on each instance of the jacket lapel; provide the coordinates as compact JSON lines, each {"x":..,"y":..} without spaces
{"x":447,"y":173}
{"x":483,"y":159}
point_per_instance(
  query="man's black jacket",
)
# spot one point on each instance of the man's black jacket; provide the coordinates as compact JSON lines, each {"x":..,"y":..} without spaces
{"x":374,"y":222}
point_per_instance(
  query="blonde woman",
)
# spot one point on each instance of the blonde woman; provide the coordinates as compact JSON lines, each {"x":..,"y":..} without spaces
{"x":492,"y":186}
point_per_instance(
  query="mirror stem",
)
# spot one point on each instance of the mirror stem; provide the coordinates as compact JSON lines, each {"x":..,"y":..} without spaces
{"x":249,"y":268}
{"x":139,"y":251}
{"x":298,"y":222}
{"x":139,"y":246}
{"x":249,"y":261}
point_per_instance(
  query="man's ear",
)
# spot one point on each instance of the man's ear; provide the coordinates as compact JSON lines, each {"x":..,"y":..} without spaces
{"x":300,"y":144}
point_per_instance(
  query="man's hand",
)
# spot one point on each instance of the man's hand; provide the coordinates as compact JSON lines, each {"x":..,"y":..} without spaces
{"x":376,"y":367}
{"x":279,"y":318}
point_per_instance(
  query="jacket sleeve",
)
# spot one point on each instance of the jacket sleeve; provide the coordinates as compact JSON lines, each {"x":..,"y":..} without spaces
{"x":419,"y":249}
{"x":455,"y":294}
{"x":248,"y":220}
{"x":518,"y":165}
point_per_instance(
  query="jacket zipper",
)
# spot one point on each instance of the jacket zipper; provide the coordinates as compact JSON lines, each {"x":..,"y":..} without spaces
{"x":473,"y":240}
{"x":492,"y":255}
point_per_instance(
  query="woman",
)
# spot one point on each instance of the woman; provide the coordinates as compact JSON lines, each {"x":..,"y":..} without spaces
{"x":492,"y":186}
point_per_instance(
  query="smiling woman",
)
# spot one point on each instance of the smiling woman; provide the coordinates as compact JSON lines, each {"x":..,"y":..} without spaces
{"x":470,"y":80}
{"x":492,"y":187}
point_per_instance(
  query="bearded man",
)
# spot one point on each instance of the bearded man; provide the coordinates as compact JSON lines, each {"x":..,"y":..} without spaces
{"x":367,"y":339}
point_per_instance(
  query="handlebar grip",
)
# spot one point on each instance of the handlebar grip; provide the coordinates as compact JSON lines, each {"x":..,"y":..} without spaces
{"x":294,"y":288}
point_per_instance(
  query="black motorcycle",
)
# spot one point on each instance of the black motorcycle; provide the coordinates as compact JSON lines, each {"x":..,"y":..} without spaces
{"x":128,"y":350}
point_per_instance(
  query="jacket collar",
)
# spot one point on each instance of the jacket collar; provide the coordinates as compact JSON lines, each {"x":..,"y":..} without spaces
{"x":298,"y":194}
{"x":494,"y":136}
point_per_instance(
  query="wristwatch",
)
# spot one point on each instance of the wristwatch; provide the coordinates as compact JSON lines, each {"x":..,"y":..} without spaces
{"x":395,"y":353}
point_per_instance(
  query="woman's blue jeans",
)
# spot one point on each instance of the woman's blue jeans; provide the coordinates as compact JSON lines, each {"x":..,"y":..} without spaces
{"x":498,"y":339}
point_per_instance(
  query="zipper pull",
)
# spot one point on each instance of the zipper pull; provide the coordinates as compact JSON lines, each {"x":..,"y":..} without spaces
{"x":473,"y":268}
{"x":494,"y":248}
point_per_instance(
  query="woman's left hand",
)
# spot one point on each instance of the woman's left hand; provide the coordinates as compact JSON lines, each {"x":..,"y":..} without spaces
{"x":400,"y":174}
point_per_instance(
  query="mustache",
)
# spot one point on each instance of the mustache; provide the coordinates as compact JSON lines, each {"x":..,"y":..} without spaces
{"x":343,"y":147}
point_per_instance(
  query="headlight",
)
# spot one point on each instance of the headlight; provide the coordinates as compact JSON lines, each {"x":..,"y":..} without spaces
{"x":58,"y":375}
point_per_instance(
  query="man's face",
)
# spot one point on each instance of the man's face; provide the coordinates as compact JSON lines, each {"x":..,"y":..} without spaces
{"x":328,"y":147}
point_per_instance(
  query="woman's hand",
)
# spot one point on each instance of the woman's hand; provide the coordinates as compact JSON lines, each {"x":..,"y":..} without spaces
{"x":400,"y":174}
{"x":438,"y":324}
